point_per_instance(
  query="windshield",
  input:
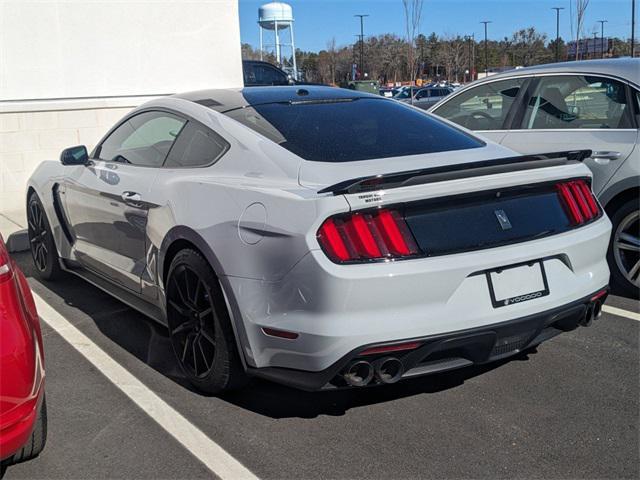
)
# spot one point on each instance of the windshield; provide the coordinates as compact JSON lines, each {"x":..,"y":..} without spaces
{"x":343,"y":130}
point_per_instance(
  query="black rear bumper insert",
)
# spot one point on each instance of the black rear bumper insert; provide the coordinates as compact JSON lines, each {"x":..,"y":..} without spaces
{"x":449,"y":351}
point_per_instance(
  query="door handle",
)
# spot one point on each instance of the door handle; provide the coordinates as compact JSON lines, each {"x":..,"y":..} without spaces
{"x":605,"y":155}
{"x":132,"y":198}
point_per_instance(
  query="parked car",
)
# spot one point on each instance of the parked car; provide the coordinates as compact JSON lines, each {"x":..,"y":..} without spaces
{"x":387,"y":91}
{"x":257,"y":73}
{"x":589,"y":104}
{"x":426,"y":97}
{"x":296,"y":234}
{"x":23,"y":408}
{"x":405,"y":92}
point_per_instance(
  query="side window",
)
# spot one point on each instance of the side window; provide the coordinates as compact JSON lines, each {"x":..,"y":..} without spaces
{"x":577,"y":102}
{"x":484,"y":107}
{"x":422,"y":94}
{"x":267,"y":75}
{"x":142,"y":140}
{"x":196,"y":146}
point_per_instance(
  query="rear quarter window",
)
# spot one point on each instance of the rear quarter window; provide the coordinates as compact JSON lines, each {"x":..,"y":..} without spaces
{"x":353,"y":129}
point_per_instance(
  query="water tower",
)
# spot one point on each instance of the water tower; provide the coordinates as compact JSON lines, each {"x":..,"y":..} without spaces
{"x":273,"y":19}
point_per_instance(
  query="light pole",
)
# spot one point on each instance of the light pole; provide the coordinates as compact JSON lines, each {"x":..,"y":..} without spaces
{"x":557,"y":9}
{"x":361,"y":41}
{"x":470,"y":70}
{"x":633,"y":28}
{"x":486,"y":51}
{"x":602,"y":22}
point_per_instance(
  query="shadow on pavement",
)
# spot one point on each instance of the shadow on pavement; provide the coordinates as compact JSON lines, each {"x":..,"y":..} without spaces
{"x":149,"y":342}
{"x":277,"y":401}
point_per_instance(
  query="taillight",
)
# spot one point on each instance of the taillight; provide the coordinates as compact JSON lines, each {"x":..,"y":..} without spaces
{"x":5,"y":262}
{"x":578,"y":201}
{"x":366,"y":236}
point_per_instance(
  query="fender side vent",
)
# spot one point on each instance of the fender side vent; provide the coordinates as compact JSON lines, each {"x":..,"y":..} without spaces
{"x":62,"y":218}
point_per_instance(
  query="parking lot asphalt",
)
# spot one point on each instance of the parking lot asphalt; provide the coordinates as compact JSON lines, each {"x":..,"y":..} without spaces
{"x":569,"y":409}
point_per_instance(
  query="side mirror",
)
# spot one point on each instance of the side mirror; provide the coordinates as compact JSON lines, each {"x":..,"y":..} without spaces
{"x":74,"y":156}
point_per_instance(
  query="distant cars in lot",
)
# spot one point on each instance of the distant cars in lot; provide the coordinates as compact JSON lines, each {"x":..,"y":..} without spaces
{"x":23,"y":410}
{"x":423,"y":97}
{"x":297,"y":234}
{"x":591,"y":104}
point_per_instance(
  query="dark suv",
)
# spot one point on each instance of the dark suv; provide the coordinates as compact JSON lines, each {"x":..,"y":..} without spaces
{"x":259,"y":74}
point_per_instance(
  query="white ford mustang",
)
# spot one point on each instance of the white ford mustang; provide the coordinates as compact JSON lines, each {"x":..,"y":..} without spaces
{"x":323,"y":238}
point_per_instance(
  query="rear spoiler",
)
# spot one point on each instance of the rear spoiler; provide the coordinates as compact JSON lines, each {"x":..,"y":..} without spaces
{"x":456,"y":171}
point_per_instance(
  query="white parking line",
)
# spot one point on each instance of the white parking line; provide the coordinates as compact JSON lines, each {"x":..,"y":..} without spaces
{"x":212,"y":455}
{"x":621,"y":313}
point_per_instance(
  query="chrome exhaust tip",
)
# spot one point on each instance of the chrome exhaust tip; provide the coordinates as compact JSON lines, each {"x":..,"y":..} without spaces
{"x":358,"y":374}
{"x":597,"y":309}
{"x":588,"y":316}
{"x":388,"y":370}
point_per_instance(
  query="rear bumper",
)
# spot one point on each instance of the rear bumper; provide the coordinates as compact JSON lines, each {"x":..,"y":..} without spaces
{"x":449,"y":351}
{"x":335,"y":309}
{"x":17,"y":426}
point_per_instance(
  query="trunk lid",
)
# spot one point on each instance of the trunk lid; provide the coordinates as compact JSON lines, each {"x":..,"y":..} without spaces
{"x":474,"y":205}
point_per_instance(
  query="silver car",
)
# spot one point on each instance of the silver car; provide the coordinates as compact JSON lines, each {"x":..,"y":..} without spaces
{"x":425,"y":97}
{"x":590,"y":104}
{"x":297,"y":235}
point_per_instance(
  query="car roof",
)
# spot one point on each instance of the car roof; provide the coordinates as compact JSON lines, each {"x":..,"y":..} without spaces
{"x":223,"y":100}
{"x":627,"y":68}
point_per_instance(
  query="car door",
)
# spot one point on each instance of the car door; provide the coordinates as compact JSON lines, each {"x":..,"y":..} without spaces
{"x":421,"y":98}
{"x":106,"y":201}
{"x":570,"y":112}
{"x":484,"y":108}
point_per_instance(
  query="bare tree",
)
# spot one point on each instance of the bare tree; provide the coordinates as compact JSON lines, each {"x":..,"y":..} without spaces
{"x":331,"y":50}
{"x":412,"y":17}
{"x":580,"y":8}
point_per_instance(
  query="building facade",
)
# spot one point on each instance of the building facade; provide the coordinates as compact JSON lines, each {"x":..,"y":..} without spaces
{"x":69,"y":69}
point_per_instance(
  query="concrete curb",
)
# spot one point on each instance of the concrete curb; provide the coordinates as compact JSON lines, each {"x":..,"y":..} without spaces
{"x":18,"y":241}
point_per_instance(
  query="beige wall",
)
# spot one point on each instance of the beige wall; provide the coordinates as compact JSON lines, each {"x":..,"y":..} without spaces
{"x":69,"y":69}
{"x":29,"y":137}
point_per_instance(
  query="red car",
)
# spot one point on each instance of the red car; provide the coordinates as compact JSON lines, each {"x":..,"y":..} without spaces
{"x":23,"y":411}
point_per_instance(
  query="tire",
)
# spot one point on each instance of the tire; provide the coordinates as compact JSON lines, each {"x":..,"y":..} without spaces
{"x":38,"y":438}
{"x":41,"y":243}
{"x":200,"y":327}
{"x":624,"y":254}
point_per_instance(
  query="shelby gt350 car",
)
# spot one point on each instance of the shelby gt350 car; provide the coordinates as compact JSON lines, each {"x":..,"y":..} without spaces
{"x":322,"y":237}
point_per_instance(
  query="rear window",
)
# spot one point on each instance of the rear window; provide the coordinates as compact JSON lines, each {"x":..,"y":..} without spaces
{"x":352,"y":129}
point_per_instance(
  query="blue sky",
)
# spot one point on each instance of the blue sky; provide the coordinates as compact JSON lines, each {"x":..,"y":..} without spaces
{"x":316,"y":21}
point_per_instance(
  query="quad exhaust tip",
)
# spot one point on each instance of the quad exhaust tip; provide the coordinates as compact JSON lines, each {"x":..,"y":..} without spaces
{"x":358,"y":374}
{"x":594,"y":310}
{"x":388,"y":370}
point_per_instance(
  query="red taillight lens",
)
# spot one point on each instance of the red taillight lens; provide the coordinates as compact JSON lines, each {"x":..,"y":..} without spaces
{"x":366,"y":236}
{"x":398,"y":347}
{"x":331,"y":240}
{"x":579,"y":201}
{"x":5,"y":263}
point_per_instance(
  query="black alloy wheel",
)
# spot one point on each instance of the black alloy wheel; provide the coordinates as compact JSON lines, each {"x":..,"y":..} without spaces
{"x":191,"y":321}
{"x":200,"y":326}
{"x":37,"y":236}
{"x":42,"y":246}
